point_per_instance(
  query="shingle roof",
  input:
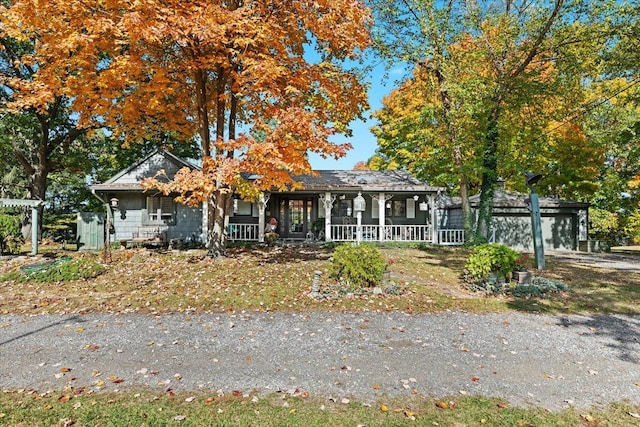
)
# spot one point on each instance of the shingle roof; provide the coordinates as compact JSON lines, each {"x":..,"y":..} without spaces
{"x":508,"y":199}
{"x":359,"y":180}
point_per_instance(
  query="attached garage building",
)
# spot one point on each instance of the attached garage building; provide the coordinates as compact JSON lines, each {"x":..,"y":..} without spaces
{"x":564,"y":222}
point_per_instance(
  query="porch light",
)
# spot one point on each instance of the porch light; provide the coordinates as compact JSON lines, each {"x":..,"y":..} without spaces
{"x":114,"y":202}
{"x":416,"y":197}
{"x":359,"y":204}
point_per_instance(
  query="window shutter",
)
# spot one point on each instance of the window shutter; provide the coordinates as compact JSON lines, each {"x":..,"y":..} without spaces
{"x":411,"y":208}
{"x":254,"y":210}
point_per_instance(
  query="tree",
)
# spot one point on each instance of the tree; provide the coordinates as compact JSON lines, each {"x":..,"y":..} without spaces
{"x":212,"y":69}
{"x":509,"y":48}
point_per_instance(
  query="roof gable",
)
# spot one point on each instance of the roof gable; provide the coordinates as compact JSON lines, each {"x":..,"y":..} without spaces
{"x":147,"y":167}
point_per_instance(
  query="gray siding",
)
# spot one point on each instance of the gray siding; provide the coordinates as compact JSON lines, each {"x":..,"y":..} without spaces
{"x":149,"y":169}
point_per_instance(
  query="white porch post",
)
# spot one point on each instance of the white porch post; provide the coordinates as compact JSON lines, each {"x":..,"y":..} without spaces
{"x":382,"y":200}
{"x":261,"y":225}
{"x":327,"y":202}
{"x":434,"y":220}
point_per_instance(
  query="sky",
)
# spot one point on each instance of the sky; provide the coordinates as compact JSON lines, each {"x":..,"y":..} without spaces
{"x":363,"y":141}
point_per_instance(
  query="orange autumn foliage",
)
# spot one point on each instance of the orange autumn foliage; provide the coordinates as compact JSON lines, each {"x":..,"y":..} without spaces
{"x":205,"y":69}
{"x":139,"y":66}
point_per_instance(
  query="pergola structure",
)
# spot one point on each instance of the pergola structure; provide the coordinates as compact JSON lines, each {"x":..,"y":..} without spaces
{"x":34,"y":204}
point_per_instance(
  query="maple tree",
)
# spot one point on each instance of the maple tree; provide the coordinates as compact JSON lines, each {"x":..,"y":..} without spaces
{"x":211,"y":69}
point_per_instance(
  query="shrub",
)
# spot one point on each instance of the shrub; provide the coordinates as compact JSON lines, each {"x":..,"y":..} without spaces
{"x":359,"y":266}
{"x":61,"y":270}
{"x":492,"y":258}
{"x":10,"y":234}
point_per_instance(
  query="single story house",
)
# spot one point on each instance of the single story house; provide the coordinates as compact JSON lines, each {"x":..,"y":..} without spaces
{"x":333,"y":205}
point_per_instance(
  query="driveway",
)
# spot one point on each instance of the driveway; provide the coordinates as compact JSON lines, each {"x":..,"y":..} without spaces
{"x":613,"y":261}
{"x":543,"y":360}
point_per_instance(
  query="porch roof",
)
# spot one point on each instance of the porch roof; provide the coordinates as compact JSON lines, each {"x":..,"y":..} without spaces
{"x":369,"y":181}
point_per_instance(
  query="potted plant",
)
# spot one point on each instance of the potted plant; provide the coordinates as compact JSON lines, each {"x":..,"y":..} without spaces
{"x":317,"y":226}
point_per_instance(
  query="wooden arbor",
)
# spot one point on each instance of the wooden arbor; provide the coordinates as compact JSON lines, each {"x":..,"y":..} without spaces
{"x":34,"y":204}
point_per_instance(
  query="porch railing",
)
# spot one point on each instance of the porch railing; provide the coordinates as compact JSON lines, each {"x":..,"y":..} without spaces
{"x":400,"y":233}
{"x":450,"y":237}
{"x":243,"y":232}
{"x":377,"y":233}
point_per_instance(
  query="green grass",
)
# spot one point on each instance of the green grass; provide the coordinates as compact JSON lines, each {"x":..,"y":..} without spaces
{"x":145,"y":409}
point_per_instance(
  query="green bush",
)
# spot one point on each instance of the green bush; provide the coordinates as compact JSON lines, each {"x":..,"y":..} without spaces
{"x":11,"y":240}
{"x":492,"y":258}
{"x":359,"y":266}
{"x":60,"y":270}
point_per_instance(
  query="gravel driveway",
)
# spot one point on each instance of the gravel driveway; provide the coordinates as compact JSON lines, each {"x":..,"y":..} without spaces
{"x":549,"y":361}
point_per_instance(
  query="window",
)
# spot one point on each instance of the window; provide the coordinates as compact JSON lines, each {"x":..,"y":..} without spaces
{"x":396,"y":208}
{"x":161,"y":209}
{"x":342,"y":208}
{"x":243,"y":207}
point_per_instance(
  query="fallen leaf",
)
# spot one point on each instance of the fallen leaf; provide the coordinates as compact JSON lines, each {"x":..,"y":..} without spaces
{"x":376,"y":386}
{"x":190,"y":399}
{"x":64,"y":370}
{"x":48,"y":407}
{"x":116,"y":380}
{"x":64,"y":398}
{"x":99,"y":383}
{"x":209,"y":401}
{"x":443,"y":405}
{"x":237,"y":393}
{"x":384,"y":408}
{"x":292,"y":412}
{"x":66,"y":422}
{"x":634,"y":414}
{"x":501,"y":405}
{"x":588,"y":418}
{"x":475,"y":379}
{"x":80,"y":330}
{"x":179,"y":418}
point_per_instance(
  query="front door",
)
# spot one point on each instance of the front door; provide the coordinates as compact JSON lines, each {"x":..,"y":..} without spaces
{"x":296,"y":215}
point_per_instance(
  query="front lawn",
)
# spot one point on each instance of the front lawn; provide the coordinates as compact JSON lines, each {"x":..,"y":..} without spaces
{"x":422,"y":280}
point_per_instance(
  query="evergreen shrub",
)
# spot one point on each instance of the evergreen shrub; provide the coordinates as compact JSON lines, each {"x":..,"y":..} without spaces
{"x":359,"y":265}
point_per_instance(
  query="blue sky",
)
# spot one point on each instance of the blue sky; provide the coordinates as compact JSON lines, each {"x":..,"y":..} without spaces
{"x":363,"y":141}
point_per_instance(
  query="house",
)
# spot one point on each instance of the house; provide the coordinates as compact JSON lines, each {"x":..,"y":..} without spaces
{"x":333,"y":205}
{"x":134,"y":215}
{"x":564,"y":222}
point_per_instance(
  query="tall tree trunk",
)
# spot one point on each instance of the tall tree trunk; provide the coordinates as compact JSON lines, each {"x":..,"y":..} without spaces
{"x":489,"y":175}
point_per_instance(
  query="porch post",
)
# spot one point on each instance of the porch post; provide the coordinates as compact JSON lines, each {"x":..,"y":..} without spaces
{"x":262,"y":205}
{"x":434,"y":220}
{"x":381,"y":216}
{"x":327,"y":202}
